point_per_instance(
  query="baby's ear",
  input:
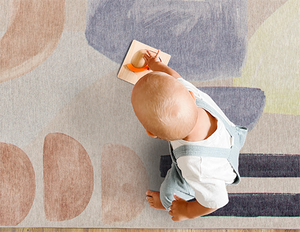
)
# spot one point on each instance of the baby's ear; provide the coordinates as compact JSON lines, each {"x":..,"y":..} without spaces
{"x":193,"y":95}
{"x":151,"y":135}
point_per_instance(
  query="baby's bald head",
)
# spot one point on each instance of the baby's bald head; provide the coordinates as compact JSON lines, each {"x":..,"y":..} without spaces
{"x":164,"y":106}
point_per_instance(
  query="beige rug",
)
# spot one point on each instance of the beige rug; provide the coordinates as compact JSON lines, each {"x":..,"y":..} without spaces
{"x":73,"y":154}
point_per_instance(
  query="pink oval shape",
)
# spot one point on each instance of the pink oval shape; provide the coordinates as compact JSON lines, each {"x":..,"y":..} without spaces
{"x":124,"y":182}
{"x":68,"y":177}
{"x":33,"y":33}
{"x":17,"y":185}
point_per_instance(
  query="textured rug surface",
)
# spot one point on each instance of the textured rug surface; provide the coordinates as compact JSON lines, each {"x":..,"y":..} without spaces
{"x":72,"y":152}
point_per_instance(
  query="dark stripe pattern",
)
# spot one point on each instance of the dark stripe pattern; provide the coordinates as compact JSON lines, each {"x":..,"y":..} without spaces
{"x":259,"y":204}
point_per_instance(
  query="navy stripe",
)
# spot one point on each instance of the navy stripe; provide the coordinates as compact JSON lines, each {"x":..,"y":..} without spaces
{"x":269,"y":165}
{"x":243,"y":106}
{"x":257,"y":165}
{"x":261,"y":204}
{"x":165,"y":165}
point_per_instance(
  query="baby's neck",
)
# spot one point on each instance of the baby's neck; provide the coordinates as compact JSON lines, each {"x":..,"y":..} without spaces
{"x":205,"y":126}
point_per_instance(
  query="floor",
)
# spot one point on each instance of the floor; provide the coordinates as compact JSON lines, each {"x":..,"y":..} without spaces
{"x":138,"y":230}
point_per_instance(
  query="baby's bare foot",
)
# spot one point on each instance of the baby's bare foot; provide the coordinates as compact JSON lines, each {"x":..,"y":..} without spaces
{"x":153,"y":199}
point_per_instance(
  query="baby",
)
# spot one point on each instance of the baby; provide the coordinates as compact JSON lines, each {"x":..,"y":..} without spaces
{"x":204,"y":144}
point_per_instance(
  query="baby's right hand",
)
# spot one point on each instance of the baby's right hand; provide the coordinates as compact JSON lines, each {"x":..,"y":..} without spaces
{"x":152,"y":59}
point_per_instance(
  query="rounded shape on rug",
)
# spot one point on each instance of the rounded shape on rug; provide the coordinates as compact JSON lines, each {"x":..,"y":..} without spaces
{"x":137,"y":59}
{"x":33,"y":33}
{"x":17,"y":185}
{"x":273,"y":61}
{"x":259,"y":11}
{"x":68,"y":177}
{"x":207,"y":39}
{"x":243,"y":106}
{"x":124,"y":182}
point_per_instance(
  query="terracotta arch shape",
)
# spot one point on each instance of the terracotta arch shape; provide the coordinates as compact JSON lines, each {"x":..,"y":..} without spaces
{"x":33,"y":33}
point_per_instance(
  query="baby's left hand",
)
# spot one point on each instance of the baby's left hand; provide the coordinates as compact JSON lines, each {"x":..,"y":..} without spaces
{"x":179,"y":209}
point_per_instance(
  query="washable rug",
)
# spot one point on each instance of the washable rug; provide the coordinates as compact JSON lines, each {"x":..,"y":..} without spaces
{"x":72,"y":152}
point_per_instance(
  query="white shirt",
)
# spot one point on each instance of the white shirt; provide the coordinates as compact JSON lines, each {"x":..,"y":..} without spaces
{"x":208,"y":176}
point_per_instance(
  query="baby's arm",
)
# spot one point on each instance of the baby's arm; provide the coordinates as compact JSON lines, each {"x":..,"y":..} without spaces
{"x":182,"y":210}
{"x":155,"y":64}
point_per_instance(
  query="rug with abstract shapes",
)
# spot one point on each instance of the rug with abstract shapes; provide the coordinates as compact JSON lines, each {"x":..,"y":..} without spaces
{"x":72,"y":152}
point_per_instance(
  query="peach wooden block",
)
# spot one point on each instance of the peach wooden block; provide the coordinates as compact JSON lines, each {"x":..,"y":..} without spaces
{"x":130,"y":76}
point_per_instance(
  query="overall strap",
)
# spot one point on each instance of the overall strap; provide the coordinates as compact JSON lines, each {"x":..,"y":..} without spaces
{"x":195,"y":150}
{"x":237,"y":132}
{"x":231,"y":154}
{"x":215,"y":113}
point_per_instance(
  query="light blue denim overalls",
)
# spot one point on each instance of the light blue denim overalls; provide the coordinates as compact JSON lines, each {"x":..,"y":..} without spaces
{"x":175,"y":183}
